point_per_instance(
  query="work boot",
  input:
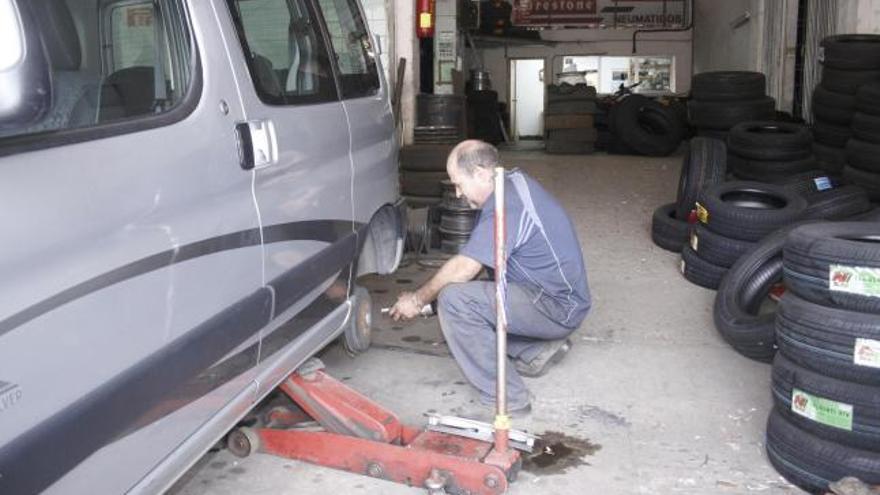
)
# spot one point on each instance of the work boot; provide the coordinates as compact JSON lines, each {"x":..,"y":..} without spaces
{"x":552,"y":353}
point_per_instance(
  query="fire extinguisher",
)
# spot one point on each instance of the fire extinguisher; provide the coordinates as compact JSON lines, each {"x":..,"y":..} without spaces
{"x":424,"y":18}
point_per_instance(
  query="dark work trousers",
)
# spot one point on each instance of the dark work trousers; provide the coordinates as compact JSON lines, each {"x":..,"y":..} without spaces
{"x":467,"y":318}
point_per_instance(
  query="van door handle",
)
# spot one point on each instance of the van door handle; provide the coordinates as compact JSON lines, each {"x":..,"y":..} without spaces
{"x":257,"y":144}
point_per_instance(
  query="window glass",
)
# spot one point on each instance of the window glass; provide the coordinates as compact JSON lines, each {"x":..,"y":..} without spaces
{"x":352,"y":46}
{"x":653,"y":74}
{"x":145,"y":53}
{"x":286,"y":56}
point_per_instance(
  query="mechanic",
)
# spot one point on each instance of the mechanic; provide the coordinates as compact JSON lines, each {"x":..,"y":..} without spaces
{"x":547,"y":292}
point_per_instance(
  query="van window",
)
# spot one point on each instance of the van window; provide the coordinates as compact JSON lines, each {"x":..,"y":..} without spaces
{"x":145,"y":53}
{"x":286,"y":56}
{"x":352,"y":46}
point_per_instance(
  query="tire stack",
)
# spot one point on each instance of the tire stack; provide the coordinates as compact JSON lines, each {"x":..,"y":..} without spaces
{"x":483,"y":116}
{"x":569,"y":119}
{"x":732,"y":218}
{"x":440,"y":119}
{"x":720,"y":100}
{"x":769,"y":151}
{"x":848,"y":62}
{"x":457,"y":220}
{"x":704,"y":164}
{"x":826,"y":376}
{"x":647,"y":126}
{"x":422,"y":171}
{"x":863,"y":148}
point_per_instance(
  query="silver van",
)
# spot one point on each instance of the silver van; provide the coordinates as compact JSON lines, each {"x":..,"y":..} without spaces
{"x":188,"y":190}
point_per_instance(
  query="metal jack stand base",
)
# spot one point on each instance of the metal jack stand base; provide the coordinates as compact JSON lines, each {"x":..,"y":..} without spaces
{"x":359,"y":436}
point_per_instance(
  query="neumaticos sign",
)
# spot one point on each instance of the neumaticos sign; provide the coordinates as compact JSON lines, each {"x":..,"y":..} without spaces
{"x":596,"y":13}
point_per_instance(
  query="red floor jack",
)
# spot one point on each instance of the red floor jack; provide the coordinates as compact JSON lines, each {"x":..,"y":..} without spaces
{"x":345,"y":430}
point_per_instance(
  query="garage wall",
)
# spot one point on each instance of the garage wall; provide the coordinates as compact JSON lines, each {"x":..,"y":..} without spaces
{"x":858,"y":16}
{"x":590,"y":42}
{"x":718,"y":45}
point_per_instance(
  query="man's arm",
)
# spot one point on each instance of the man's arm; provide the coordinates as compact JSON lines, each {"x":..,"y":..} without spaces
{"x":458,"y":269}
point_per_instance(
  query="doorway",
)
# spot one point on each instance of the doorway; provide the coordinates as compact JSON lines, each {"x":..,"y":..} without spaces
{"x":527,"y":98}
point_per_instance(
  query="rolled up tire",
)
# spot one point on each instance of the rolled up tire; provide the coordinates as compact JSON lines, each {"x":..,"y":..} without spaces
{"x":835,"y":265}
{"x":748,"y":282}
{"x":857,"y":424}
{"x":728,"y":85}
{"x":831,"y":134}
{"x":811,"y":462}
{"x":847,"y":81}
{"x":868,"y":98}
{"x":647,"y":126}
{"x":704,"y":165}
{"x":766,"y":170}
{"x":836,"y":108}
{"x":722,"y":115}
{"x":699,"y":271}
{"x":667,"y":231}
{"x":715,"y":248}
{"x":770,"y":141}
{"x":748,"y":211}
{"x":851,"y":51}
{"x":863,"y":155}
{"x":829,"y":159}
{"x":839,"y":203}
{"x":866,"y":127}
{"x":835,"y":342}
{"x":869,"y":181}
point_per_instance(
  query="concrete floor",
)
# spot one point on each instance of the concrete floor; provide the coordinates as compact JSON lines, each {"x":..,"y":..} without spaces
{"x":669,"y":407}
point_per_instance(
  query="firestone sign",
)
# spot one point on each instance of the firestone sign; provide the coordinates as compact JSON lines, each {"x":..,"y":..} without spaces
{"x":611,"y":13}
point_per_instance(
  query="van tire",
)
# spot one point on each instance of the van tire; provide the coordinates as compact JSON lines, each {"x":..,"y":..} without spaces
{"x":715,"y":248}
{"x":851,"y":51}
{"x":811,"y":251}
{"x":770,"y":141}
{"x":723,"y":115}
{"x":700,"y":271}
{"x":667,"y":231}
{"x":704,"y":165}
{"x":748,"y":223}
{"x":864,"y":399}
{"x":838,"y":203}
{"x":869,"y":181}
{"x":811,"y":462}
{"x":728,"y":85}
{"x":824,"y":339}
{"x":768,"y":170}
{"x":847,"y":81}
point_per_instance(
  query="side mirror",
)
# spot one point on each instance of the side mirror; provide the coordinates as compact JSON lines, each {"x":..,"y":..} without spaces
{"x":25,"y":76}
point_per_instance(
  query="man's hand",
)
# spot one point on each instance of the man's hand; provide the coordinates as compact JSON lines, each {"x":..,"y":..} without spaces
{"x":408,"y":306}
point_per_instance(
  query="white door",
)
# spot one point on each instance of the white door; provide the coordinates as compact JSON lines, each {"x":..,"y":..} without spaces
{"x":527,"y":97}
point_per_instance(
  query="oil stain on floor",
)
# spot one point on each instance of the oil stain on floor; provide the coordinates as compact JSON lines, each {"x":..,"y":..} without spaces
{"x":557,"y":452}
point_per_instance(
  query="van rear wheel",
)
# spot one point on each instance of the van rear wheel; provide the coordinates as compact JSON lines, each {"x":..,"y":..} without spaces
{"x":243,"y":441}
{"x":358,"y":334}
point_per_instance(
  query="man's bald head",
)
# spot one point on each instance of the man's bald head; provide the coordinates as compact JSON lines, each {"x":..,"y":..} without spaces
{"x":473,"y":154}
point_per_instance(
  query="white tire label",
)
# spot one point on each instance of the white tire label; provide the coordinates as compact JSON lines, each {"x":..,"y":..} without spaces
{"x":695,"y":243}
{"x":855,"y":280}
{"x":824,"y":411}
{"x":867,"y":353}
{"x":822,"y":183}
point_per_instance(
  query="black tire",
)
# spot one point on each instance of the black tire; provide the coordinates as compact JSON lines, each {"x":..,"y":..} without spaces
{"x":569,"y":107}
{"x":809,"y":183}
{"x":723,"y":115}
{"x":704,"y":165}
{"x":715,"y":248}
{"x":564,"y":92}
{"x":811,"y":462}
{"x":827,"y":339}
{"x":422,"y":183}
{"x":770,"y":141}
{"x":831,"y":159}
{"x":868,"y":98}
{"x":728,"y":85}
{"x":831,"y":134}
{"x":847,"y":81}
{"x":821,"y":262}
{"x":862,"y":431}
{"x":868,"y":216}
{"x":863,"y":155}
{"x":839,"y":203}
{"x":866,"y":127}
{"x":748,"y":211}
{"x":851,"y":51}
{"x":836,"y":108}
{"x":667,"y":231}
{"x":700,"y":271}
{"x":736,"y":311}
{"x":869,"y":181}
{"x":647,"y":126}
{"x":768,"y":171}
{"x":424,"y":157}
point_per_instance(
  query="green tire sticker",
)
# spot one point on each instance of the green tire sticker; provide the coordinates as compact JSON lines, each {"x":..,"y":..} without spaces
{"x":860,"y":280}
{"x":824,"y":411}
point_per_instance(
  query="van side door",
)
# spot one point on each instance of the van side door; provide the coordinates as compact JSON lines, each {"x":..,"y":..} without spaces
{"x":304,"y":188}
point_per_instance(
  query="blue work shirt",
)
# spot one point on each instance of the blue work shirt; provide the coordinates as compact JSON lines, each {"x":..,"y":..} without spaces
{"x":543,"y":251}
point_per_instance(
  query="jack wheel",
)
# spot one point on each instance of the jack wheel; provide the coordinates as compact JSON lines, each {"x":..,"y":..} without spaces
{"x":243,"y":441}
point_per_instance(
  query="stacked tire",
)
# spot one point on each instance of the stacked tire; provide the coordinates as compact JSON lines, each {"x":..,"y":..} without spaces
{"x":769,"y":151}
{"x":863,"y":148}
{"x":732,"y":218}
{"x":848,"y":62}
{"x":484,"y":116}
{"x":569,"y":119}
{"x":647,"y":126}
{"x":704,"y":164}
{"x":826,"y":375}
{"x":440,"y":119}
{"x":720,"y":100}
{"x":457,"y":220}
{"x":422,"y":171}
